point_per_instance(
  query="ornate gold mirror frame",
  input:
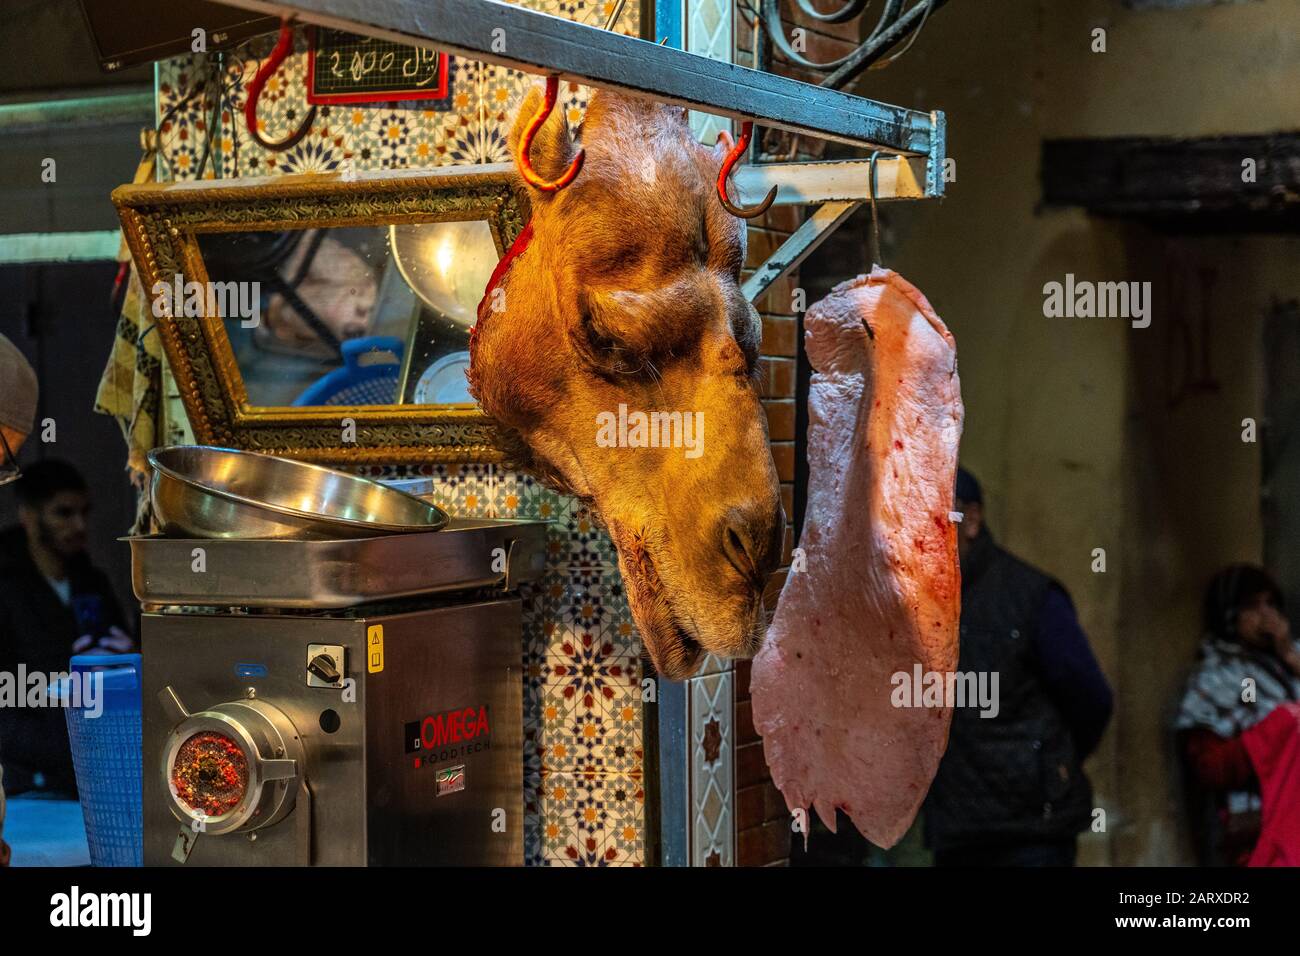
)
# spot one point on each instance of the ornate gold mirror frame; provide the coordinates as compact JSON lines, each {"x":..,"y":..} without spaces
{"x":162,"y":225}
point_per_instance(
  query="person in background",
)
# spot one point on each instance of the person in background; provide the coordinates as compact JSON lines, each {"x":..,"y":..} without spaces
{"x":1247,"y":644}
{"x":1010,"y":790}
{"x":18,"y":394}
{"x":17,"y":407}
{"x":53,"y":604}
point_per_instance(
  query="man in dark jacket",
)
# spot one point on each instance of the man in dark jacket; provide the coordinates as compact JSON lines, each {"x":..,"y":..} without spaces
{"x":53,"y":604}
{"x":1010,"y":790}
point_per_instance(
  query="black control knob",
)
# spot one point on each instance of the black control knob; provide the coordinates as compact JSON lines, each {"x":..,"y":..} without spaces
{"x":323,"y":667}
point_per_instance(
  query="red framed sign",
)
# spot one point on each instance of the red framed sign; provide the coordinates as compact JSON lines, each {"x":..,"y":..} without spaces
{"x":346,"y":68}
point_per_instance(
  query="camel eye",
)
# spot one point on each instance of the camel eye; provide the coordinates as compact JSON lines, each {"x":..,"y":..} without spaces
{"x":604,"y":351}
{"x":596,"y":339}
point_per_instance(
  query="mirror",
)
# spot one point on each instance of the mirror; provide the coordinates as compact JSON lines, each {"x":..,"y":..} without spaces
{"x":291,"y":307}
{"x":354,"y":316}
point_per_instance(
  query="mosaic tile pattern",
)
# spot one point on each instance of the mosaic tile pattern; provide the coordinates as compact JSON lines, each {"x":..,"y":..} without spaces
{"x":711,"y":707}
{"x":710,"y":31}
{"x":397,"y":135}
{"x":592,"y":819}
{"x":463,"y":490}
{"x":584,"y":801}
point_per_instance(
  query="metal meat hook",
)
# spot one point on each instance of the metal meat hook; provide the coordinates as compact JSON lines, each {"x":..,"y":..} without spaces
{"x":746,"y":132}
{"x":875,"y":216}
{"x":526,"y":141}
{"x":283,"y":47}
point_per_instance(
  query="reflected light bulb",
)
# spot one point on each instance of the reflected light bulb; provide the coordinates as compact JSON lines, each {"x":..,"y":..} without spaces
{"x":447,"y":264}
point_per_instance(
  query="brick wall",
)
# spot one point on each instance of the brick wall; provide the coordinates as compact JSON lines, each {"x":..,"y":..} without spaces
{"x":762,"y":824}
{"x":762,"y":820}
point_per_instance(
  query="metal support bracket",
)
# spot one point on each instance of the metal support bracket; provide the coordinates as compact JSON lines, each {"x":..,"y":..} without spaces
{"x":837,"y":188}
{"x":937,"y":157}
{"x":825,"y":220}
{"x":897,"y":177}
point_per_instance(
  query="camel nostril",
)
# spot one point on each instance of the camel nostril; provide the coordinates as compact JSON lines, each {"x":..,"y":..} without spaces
{"x":738,"y":552}
{"x":751,"y":545}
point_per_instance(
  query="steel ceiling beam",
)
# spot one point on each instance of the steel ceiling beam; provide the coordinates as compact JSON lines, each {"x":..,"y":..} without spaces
{"x":533,"y":42}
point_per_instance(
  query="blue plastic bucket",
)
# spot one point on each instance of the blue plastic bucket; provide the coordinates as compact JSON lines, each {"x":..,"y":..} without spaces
{"x":105,"y":737}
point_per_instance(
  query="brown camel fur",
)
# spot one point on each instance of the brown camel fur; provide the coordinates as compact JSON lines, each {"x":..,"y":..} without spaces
{"x":629,"y":294}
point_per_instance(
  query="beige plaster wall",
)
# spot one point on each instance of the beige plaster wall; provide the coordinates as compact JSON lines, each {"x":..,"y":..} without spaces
{"x":1072,"y":424}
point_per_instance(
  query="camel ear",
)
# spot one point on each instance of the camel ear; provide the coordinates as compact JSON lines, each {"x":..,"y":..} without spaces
{"x":553,"y":148}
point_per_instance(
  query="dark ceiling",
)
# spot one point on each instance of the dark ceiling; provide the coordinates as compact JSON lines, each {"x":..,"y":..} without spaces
{"x":46,"y":48}
{"x":46,"y":54}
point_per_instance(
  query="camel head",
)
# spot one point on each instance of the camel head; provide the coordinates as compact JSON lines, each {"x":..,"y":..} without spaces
{"x":617,"y":350}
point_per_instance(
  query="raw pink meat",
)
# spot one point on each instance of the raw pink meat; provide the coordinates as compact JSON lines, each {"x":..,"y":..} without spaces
{"x":881,"y":590}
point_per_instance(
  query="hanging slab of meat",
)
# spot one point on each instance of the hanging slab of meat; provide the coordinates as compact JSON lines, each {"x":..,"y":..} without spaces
{"x":880,"y":591}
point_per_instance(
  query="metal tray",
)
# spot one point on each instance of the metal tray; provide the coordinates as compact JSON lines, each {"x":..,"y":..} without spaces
{"x":202,"y":491}
{"x":336,"y":574}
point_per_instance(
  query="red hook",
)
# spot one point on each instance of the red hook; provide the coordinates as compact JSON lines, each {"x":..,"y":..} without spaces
{"x":526,"y":142}
{"x":283,"y":47}
{"x":742,"y":144}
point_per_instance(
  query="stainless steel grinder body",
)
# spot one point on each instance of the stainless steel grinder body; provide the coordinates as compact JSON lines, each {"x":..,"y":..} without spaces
{"x":408,"y":750}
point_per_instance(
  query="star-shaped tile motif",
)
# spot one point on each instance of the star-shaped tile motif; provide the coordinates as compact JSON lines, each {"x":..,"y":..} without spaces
{"x":712,"y":741}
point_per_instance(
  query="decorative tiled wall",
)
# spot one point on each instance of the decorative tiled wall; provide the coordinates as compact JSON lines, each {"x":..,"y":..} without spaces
{"x":583,"y":757}
{"x":709,"y":742}
{"x":708,"y":32}
{"x":712,"y":817}
{"x":470,"y":128}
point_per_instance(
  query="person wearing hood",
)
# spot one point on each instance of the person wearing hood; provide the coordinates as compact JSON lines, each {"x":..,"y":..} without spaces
{"x":1249,"y":667}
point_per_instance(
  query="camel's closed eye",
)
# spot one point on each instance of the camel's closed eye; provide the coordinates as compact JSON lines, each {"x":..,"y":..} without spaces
{"x":604,"y":350}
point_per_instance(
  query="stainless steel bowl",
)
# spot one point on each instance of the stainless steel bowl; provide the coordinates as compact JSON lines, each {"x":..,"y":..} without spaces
{"x":205,"y":492}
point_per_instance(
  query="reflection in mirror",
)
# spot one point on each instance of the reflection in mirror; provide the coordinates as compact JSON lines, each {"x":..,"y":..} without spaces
{"x":355,"y":316}
{"x":447,"y":265}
